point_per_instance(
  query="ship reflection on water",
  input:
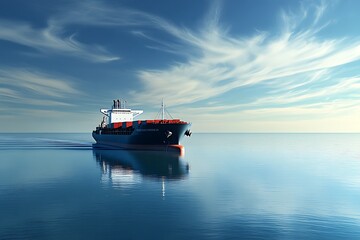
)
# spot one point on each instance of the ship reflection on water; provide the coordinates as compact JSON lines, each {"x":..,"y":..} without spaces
{"x":124,"y":168}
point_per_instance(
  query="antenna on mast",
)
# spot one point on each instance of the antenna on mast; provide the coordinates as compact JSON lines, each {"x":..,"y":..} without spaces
{"x":163,"y":109}
{"x":161,"y":114}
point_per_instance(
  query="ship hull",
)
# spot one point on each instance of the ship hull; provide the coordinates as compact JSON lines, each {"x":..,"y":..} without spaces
{"x":148,"y":136}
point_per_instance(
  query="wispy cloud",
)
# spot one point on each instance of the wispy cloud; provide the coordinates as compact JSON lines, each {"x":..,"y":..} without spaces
{"x":52,"y":40}
{"x":291,"y":60}
{"x":294,"y":62}
{"x":56,"y":38}
{"x":220,"y":62}
{"x":25,"y":87}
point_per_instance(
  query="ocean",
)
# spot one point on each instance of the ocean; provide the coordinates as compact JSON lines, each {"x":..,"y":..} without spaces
{"x":226,"y":186}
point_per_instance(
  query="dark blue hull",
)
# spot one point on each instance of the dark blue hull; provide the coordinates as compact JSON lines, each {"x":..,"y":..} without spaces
{"x":143,"y":136}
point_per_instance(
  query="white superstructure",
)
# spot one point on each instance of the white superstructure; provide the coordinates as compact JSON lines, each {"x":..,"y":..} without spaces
{"x":119,"y":113}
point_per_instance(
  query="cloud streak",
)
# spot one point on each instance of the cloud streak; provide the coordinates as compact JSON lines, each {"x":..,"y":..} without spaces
{"x":220,"y":62}
{"x":290,"y":61}
{"x":24,"y":87}
{"x":56,"y":38}
{"x":51,"y":40}
{"x":292,"y":69}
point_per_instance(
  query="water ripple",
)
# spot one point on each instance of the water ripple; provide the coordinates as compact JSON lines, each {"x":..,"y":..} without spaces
{"x":28,"y":141}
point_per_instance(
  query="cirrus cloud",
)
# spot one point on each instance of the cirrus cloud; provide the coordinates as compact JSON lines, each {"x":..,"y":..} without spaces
{"x":219,"y":62}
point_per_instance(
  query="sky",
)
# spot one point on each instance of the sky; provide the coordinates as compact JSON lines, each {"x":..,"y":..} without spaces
{"x":225,"y":66}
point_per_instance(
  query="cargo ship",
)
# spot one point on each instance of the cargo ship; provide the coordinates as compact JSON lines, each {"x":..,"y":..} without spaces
{"x":119,"y":129}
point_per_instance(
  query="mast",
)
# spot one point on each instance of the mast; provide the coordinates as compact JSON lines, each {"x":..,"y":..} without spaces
{"x":163,"y":110}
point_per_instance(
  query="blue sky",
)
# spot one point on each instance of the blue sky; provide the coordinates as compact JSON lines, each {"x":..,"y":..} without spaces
{"x":226,"y":66}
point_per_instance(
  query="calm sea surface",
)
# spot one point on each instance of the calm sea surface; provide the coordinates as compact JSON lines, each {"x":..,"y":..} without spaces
{"x":227,"y":186}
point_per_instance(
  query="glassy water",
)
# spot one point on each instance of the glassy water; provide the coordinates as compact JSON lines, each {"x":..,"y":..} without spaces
{"x":227,"y":186}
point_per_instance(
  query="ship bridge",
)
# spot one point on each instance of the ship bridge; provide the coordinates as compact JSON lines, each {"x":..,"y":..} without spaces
{"x":118,"y":113}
